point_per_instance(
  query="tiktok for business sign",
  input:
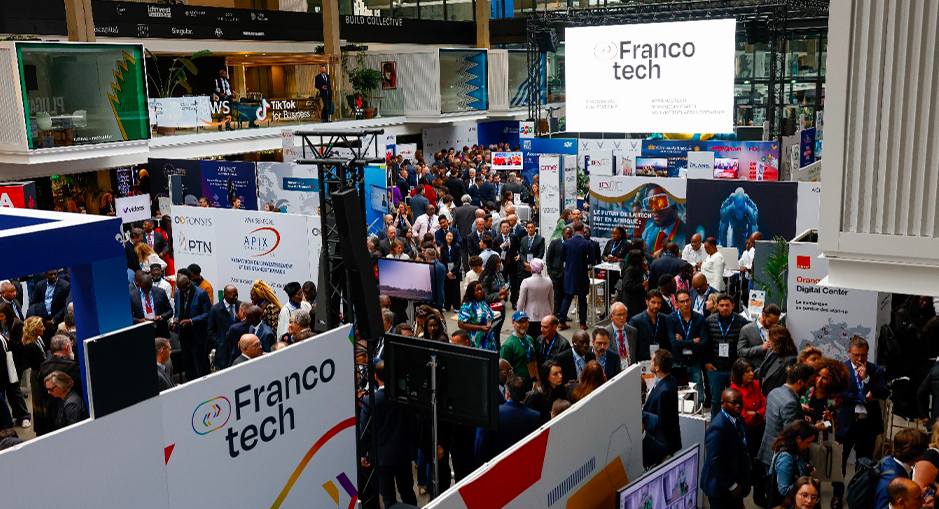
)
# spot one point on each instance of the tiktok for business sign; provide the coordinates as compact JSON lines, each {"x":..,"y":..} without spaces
{"x":656,"y":77}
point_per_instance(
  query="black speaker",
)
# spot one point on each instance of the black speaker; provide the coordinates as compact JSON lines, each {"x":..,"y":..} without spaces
{"x":789,"y":126}
{"x":359,"y":266}
{"x":547,"y":41}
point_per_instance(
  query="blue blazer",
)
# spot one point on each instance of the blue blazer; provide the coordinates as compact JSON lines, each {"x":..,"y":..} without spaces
{"x":229,"y":351}
{"x":667,"y":264}
{"x":889,"y":470}
{"x":395,"y":427}
{"x":877,"y":385}
{"x":199,"y":309}
{"x":219,"y":323}
{"x":440,"y":236}
{"x":613,"y":366}
{"x":161,"y":307}
{"x":516,"y":421}
{"x":60,"y":296}
{"x":675,"y":326}
{"x":487,"y":192}
{"x":473,"y":191}
{"x":662,"y":402}
{"x":726,"y":461}
{"x":577,"y":253}
{"x":649,"y":334}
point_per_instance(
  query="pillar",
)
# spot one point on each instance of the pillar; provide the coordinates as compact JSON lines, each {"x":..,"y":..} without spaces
{"x":78,"y":19}
{"x":482,"y":23}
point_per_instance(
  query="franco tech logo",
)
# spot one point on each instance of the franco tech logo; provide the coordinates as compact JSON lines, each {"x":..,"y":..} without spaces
{"x":211,"y":415}
{"x":605,"y":51}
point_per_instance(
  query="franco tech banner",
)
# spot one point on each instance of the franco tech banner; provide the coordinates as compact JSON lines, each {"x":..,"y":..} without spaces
{"x":651,"y":208}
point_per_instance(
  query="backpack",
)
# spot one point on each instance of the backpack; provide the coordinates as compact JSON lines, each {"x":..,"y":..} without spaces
{"x":863,"y":486}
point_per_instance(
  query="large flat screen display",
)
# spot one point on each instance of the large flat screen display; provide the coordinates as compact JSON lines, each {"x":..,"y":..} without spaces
{"x":673,"y":77}
{"x":405,"y":279}
{"x":672,"y":485}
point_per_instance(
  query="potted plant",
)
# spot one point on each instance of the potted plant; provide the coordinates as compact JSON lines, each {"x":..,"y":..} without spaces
{"x":776,"y":272}
{"x":176,"y":76}
{"x":363,"y":80}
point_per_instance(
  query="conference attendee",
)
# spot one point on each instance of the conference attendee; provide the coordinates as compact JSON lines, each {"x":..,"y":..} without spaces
{"x":608,"y":360}
{"x":11,"y":374}
{"x":753,"y":414}
{"x":419,"y":201}
{"x":222,"y":316}
{"x":667,"y":288}
{"x":403,"y":221}
{"x":702,"y":292}
{"x":299,"y":324}
{"x":155,"y":239}
{"x":683,"y":278}
{"x":784,"y":406}
{"x":464,"y":216}
{"x":754,"y":336}
{"x":434,"y":329}
{"x":859,"y":420}
{"x":721,"y":350}
{"x":309,"y":294}
{"x":156,"y":273}
{"x":70,"y":407}
{"x":550,"y":343}
{"x":519,"y":350}
{"x":151,"y":304}
{"x":687,"y":332}
{"x":623,"y":337}
{"x":475,"y":238}
{"x":476,"y":317}
{"x":903,"y":493}
{"x":62,"y":358}
{"x":487,"y":191}
{"x":191,"y":323}
{"x":532,"y":246}
{"x":782,"y":356}
{"x":578,"y":256}
{"x":460,"y":337}
{"x":236,"y":202}
{"x":476,"y":269}
{"x":324,"y":86}
{"x":263,"y":296}
{"x":133,"y":264}
{"x":909,"y":445}
{"x":35,"y":352}
{"x":427,"y":222}
{"x":726,"y":473}
{"x":148,"y":257}
{"x":616,"y":249}
{"x":508,"y":249}
{"x":516,"y":421}
{"x":50,"y":297}
{"x":294,"y":303}
{"x":451,"y":258}
{"x":713,"y":266}
{"x":555,"y":264}
{"x":163,"y":352}
{"x":535,"y":297}
{"x":694,"y":252}
{"x":8,"y":295}
{"x":926,"y":470}
{"x":440,"y":236}
{"x":195,"y":275}
{"x":250,"y":347}
{"x":591,"y":378}
{"x":550,"y":388}
{"x":455,"y":185}
{"x":494,"y":285}
{"x":575,"y":359}
{"x":662,"y":403}
{"x":280,"y":345}
{"x":787,"y":465}
{"x":651,"y":329}
{"x":633,"y":289}
{"x":473,"y":190}
{"x":668,"y":264}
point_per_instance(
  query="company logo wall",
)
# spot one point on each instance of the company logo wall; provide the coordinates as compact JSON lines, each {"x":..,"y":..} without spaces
{"x":452,"y":136}
{"x":757,"y":160}
{"x":500,"y":131}
{"x":624,"y":152}
{"x":292,"y":188}
{"x":283,"y":417}
{"x":653,"y":77}
{"x":597,"y":162}
{"x":223,"y":181}
{"x":238,"y":247}
{"x":647,"y":207}
{"x":533,"y":148}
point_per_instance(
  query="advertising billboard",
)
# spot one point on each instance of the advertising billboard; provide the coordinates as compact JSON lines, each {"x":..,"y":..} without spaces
{"x":649,"y":208}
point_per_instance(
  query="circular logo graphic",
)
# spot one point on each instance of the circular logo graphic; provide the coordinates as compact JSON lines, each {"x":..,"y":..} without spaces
{"x":605,"y":51}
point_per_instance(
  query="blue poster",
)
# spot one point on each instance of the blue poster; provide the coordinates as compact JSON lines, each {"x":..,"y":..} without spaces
{"x":376,"y":197}
{"x":224,"y":181}
{"x":675,"y":151}
{"x":807,"y":147}
{"x":499,"y":131}
{"x":532,"y":148}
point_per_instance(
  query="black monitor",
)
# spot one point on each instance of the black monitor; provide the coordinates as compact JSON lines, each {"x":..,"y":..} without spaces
{"x":406,"y":279}
{"x":749,"y":133}
{"x":671,"y":485}
{"x":467,"y":384}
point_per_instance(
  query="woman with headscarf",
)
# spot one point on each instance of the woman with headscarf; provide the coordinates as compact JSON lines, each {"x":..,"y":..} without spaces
{"x":536,"y":297}
{"x":263,"y":297}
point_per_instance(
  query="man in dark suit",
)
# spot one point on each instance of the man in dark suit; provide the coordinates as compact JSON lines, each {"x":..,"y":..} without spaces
{"x":473,"y":190}
{"x":133,"y":264}
{"x":687,"y":331}
{"x":578,"y":255}
{"x":669,"y":263}
{"x":440,"y":236}
{"x":163,"y":352}
{"x":223,"y":315}
{"x":192,"y":320}
{"x":487,"y":191}
{"x":623,"y":337}
{"x":473,"y":239}
{"x":726,"y":473}
{"x":555,"y":264}
{"x":505,"y":371}
{"x":250,"y":347}
{"x":251,"y":324}
{"x":53,"y":294}
{"x":507,"y":245}
{"x":8,"y":295}
{"x":859,"y":417}
{"x":150,"y":304}
{"x":155,"y":239}
{"x":455,"y":185}
{"x":532,"y":246}
{"x":550,"y":343}
{"x":662,"y":402}
{"x":607,"y":359}
{"x":516,"y":421}
{"x":783,"y":407}
{"x":464,"y":216}
{"x":395,"y":427}
{"x":574,"y":359}
{"x":324,"y":86}
{"x":650,"y":327}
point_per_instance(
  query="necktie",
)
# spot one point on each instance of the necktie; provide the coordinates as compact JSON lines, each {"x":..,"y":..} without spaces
{"x":231,"y":311}
{"x":252,"y":329}
{"x":624,"y":352}
{"x":149,"y":304}
{"x":580,"y":365}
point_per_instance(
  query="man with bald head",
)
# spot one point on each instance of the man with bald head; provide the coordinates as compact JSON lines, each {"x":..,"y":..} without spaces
{"x":223,"y":315}
{"x":250,"y":347}
{"x":702,"y":290}
{"x":250,"y":324}
{"x":575,"y":359}
{"x":694,"y":252}
{"x":726,"y":473}
{"x":903,"y":493}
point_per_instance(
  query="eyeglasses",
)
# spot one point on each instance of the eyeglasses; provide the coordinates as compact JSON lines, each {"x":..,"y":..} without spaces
{"x":256,"y":345}
{"x":808,"y":496}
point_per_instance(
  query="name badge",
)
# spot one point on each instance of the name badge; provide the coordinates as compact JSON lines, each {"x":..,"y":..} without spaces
{"x":653,"y":349}
{"x":450,"y":266}
{"x":686,"y":352}
{"x":723,"y":349}
{"x":529,"y":258}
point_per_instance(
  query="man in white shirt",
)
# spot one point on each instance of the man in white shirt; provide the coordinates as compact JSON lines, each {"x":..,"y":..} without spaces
{"x":156,"y":272}
{"x":694,"y":253}
{"x":713,"y":266}
{"x":425,"y":223}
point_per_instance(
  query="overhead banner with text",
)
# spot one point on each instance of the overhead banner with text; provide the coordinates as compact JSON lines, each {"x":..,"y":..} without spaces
{"x":673,"y":77}
{"x":534,"y":148}
{"x":224,"y":181}
{"x":651,"y":208}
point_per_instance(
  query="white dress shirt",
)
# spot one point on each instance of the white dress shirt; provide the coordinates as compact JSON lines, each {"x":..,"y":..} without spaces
{"x":694,"y":257}
{"x":713,"y":270}
{"x":425,"y":224}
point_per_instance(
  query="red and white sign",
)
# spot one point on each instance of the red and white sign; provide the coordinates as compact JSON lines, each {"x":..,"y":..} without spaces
{"x":19,"y":195}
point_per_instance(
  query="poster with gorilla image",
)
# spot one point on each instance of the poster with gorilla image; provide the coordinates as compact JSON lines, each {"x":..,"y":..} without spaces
{"x":731,"y":211}
{"x":650,"y":208}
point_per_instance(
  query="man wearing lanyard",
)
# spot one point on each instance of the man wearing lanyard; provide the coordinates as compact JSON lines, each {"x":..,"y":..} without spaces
{"x":550,"y":343}
{"x":723,"y":333}
{"x":623,"y":337}
{"x":519,"y":350}
{"x":533,"y":246}
{"x":688,"y":333}
{"x":754,"y":336}
{"x":726,"y":473}
{"x":702,"y":290}
{"x":222,"y":316}
{"x":859,"y":418}
{"x":575,"y":359}
{"x":8,"y":296}
{"x":509,"y":247}
{"x":650,"y":327}
{"x":150,"y":304}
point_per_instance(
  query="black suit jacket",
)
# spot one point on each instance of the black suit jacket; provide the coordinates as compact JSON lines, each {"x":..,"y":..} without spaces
{"x":534,"y":246}
{"x":225,"y":356}
{"x":667,"y":264}
{"x":553,"y":261}
{"x":132,"y":262}
{"x":487,"y":192}
{"x":516,"y":421}
{"x":67,"y":366}
{"x":164,"y":380}
{"x":456,"y":188}
{"x":662,"y":401}
{"x":473,"y":191}
{"x":59,"y":298}
{"x":321,"y":81}
{"x":508,"y":262}
{"x":568,"y":367}
{"x":463,"y":218}
{"x":220,"y":321}
{"x":553,"y":348}
{"x":161,"y":308}
{"x":612,"y":366}
{"x":472,"y":243}
{"x":396,"y":428}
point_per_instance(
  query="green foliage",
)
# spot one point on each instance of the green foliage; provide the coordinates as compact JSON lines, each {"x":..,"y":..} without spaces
{"x":776,"y":272}
{"x":176,"y":75}
{"x":583,"y":182}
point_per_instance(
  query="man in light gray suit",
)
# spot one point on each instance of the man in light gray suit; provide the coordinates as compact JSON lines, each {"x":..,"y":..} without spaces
{"x":622,"y":334}
{"x":783,"y":407}
{"x":754,"y":336}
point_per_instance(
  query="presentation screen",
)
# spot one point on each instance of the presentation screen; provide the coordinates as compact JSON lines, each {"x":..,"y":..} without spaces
{"x":672,"y":485}
{"x":673,"y":77}
{"x":405,"y":279}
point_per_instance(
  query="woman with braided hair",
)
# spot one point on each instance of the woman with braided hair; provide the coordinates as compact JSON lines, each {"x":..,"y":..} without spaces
{"x":263,"y":296}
